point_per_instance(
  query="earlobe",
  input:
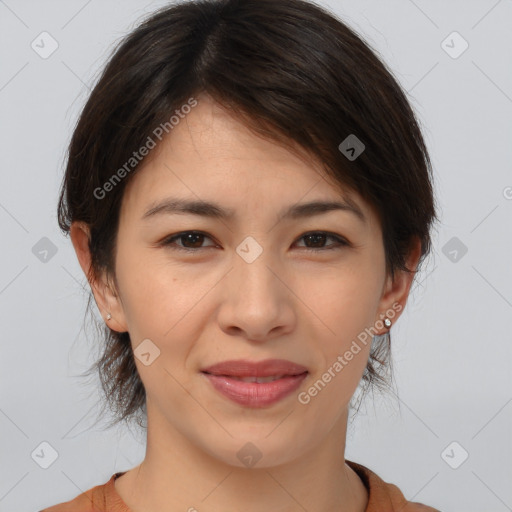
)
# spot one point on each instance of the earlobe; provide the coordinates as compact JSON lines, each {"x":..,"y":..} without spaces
{"x":396,"y":290}
{"x":111,"y":308}
{"x":105,"y":297}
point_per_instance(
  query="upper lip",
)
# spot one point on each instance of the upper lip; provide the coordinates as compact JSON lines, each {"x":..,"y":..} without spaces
{"x":245,"y":368}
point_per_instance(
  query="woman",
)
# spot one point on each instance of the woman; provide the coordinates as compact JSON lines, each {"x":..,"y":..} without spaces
{"x":249,"y":194}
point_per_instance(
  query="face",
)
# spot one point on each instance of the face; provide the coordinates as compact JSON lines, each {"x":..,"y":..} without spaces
{"x":255,"y":285}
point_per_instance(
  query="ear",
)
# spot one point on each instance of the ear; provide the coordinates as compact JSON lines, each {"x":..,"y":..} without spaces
{"x":106,"y":296}
{"x":396,"y":290}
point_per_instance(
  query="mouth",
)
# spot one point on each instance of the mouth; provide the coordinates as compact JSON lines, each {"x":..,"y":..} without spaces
{"x":259,"y":380}
{"x":256,"y":384}
{"x":270,"y":368}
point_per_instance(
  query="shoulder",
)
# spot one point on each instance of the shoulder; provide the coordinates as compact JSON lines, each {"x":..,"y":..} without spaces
{"x":93,"y":500}
{"x":384,"y":496}
{"x":400,"y":503}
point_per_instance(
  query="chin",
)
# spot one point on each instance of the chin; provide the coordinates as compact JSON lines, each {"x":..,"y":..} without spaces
{"x":247,"y":450}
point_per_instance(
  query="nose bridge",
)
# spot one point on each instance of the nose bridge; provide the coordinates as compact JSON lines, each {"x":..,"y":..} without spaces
{"x":257,"y":302}
{"x":253,"y":263}
{"x":255,"y":297}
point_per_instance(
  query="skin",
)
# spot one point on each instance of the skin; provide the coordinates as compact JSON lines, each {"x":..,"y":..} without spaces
{"x":211,"y":306}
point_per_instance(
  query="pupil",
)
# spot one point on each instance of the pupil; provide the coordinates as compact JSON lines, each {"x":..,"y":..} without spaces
{"x":194,"y":238}
{"x":191,"y":237}
{"x":317,"y":238}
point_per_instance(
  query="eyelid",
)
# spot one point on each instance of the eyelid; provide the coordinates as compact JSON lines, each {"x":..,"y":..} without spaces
{"x":340,"y":241}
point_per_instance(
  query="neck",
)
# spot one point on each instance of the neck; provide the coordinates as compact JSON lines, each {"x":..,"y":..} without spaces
{"x":177,"y":475}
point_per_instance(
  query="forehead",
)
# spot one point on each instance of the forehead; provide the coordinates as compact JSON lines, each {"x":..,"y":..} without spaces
{"x":210,"y":155}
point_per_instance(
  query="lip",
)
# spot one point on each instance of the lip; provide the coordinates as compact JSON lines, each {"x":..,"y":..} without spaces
{"x":254,"y":394}
{"x":246,"y":368}
{"x":223,"y":377}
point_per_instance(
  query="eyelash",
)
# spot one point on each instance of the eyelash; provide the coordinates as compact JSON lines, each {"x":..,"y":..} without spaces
{"x":169,"y":241}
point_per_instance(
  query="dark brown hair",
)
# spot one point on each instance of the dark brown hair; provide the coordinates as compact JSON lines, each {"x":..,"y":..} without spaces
{"x":293,"y":73}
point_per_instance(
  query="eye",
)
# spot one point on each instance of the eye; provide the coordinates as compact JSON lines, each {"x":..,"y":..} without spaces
{"x":319,"y":237}
{"x":192,"y":241}
{"x":194,"y":238}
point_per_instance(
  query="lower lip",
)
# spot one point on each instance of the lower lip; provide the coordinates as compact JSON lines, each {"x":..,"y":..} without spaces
{"x":254,"y":394}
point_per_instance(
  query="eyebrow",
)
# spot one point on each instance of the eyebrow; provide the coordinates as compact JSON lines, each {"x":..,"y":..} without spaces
{"x":173,"y":206}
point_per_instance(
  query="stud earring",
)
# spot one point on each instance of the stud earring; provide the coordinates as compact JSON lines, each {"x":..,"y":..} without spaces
{"x":387,"y":322}
{"x":109,"y":316}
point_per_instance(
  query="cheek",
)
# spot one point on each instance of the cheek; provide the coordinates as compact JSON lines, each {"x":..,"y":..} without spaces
{"x":163,"y":303}
{"x":141,"y":298}
{"x":347,"y":308}
{"x":347,"y":303}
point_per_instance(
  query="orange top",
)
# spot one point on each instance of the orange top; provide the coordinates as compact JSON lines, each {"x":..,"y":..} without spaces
{"x":382,"y":497}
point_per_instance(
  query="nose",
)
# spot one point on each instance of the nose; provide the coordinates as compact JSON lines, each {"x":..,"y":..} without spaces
{"x":257,"y":303}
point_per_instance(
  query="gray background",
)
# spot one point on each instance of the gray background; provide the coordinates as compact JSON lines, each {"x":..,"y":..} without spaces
{"x":452,"y":347}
